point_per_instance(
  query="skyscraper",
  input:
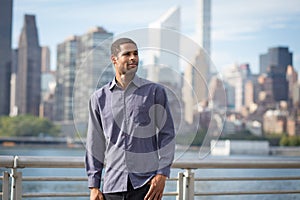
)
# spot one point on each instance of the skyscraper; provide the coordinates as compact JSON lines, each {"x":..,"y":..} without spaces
{"x":164,"y":53}
{"x":28,"y":79}
{"x":203,"y":24}
{"x":13,"y":82}
{"x":164,"y":66}
{"x":5,"y":55}
{"x":93,"y":70}
{"x":292,"y":78}
{"x":66,"y":65}
{"x":196,"y":73}
{"x":195,"y":86}
{"x":279,"y":57}
{"x":275,"y":64}
{"x":45,"y":60}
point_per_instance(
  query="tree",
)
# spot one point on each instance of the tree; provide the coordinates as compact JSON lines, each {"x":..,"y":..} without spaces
{"x":27,"y":125}
{"x":284,"y":141}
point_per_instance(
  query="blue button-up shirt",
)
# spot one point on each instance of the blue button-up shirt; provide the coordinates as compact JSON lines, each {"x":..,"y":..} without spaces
{"x":132,"y":132}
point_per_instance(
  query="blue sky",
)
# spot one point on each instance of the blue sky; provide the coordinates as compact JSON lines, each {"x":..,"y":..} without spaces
{"x":241,"y":29}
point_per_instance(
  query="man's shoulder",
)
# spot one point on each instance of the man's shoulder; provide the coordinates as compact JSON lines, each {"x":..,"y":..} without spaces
{"x":102,"y":90}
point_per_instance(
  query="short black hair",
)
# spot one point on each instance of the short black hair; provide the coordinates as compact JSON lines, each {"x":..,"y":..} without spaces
{"x":115,"y":47}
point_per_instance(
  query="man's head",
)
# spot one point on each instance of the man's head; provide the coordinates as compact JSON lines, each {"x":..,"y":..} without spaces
{"x":116,"y":45}
{"x":124,"y":56}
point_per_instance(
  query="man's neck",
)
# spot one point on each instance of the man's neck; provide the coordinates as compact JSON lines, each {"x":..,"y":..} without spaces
{"x":123,"y":80}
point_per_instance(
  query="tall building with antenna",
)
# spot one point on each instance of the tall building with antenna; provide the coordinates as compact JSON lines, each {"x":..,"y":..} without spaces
{"x":196,"y":74}
{"x":203,"y":24}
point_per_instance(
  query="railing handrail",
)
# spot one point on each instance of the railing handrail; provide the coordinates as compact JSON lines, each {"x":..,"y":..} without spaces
{"x":78,"y":162}
{"x":7,"y":161}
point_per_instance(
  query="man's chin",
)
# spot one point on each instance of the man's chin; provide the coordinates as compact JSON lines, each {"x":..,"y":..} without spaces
{"x":133,"y":69}
{"x":130,"y":71}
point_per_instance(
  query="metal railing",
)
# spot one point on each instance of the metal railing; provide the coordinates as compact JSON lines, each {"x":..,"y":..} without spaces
{"x":12,"y":181}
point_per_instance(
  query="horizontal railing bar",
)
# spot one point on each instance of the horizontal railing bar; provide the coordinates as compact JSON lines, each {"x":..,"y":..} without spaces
{"x":247,"y":193}
{"x":171,"y":179}
{"x":248,"y":178}
{"x":69,"y":194}
{"x":236,"y":164}
{"x":62,"y":194}
{"x":7,"y":161}
{"x":59,"y":178}
{"x":170,"y":194}
{"x":78,"y":162}
{"x":39,"y":178}
{"x":50,"y":162}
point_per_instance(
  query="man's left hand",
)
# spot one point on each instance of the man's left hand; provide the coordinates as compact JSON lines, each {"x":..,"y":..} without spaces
{"x":157,"y":185}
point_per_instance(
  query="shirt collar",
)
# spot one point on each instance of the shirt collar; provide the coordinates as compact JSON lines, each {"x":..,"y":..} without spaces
{"x":136,"y":81}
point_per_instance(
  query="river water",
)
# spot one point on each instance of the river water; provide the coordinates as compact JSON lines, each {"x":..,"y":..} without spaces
{"x":207,"y":186}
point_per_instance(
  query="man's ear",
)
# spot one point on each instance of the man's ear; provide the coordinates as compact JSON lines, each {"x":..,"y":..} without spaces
{"x":113,"y":59}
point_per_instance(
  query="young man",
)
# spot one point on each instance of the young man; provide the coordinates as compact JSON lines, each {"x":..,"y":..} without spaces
{"x":130,"y":129}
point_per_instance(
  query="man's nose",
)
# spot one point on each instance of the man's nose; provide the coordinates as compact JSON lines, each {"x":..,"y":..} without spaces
{"x":132,"y":56}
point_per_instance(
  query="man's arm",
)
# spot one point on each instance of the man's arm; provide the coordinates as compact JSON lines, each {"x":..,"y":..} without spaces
{"x":166,"y":133}
{"x":166,"y":145}
{"x":95,"y":145}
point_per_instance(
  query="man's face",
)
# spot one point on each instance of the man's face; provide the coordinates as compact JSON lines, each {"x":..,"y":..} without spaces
{"x":127,"y":59}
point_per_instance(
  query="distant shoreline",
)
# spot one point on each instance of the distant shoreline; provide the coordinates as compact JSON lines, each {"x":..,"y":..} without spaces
{"x":40,"y":141}
{"x":70,"y":143}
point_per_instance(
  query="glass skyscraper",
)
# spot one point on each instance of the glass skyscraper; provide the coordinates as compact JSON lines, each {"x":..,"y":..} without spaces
{"x":83,"y":65}
{"x":66,"y":65}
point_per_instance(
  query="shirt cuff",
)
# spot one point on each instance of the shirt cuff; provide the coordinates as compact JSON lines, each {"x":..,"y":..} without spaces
{"x":94,"y":182}
{"x":164,"y":171}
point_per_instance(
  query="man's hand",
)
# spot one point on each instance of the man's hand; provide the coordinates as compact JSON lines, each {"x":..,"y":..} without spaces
{"x":96,"y":194}
{"x":157,"y":185}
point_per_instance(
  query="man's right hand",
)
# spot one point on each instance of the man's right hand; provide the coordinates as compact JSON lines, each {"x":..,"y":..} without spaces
{"x":96,"y":194}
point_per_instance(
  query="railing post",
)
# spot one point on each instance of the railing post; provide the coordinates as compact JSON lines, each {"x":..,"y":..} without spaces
{"x":5,"y":185}
{"x":188,"y":185}
{"x":180,"y":186}
{"x":16,"y":182}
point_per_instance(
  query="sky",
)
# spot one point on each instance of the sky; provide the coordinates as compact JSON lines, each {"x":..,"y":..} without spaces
{"x":241,"y":30}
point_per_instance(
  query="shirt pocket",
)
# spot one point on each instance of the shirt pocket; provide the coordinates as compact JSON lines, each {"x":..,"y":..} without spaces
{"x":141,"y":116}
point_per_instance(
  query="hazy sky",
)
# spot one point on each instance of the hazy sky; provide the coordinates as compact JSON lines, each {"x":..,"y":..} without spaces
{"x":241,"y":29}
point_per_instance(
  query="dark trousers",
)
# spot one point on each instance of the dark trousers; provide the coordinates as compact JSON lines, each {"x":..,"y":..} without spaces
{"x":131,"y":194}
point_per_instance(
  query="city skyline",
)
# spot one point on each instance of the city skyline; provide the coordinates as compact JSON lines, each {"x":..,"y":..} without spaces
{"x":241,"y":30}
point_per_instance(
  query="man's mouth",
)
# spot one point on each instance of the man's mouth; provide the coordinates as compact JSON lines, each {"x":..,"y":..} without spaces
{"x":132,"y":65}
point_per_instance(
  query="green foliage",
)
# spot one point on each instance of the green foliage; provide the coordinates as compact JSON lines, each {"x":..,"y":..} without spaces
{"x":274,"y":139}
{"x":27,"y":125}
{"x":289,"y":140}
{"x":241,"y":135}
{"x":191,"y":139}
{"x":284,"y":141}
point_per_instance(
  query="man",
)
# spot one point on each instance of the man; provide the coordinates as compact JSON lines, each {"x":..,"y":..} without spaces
{"x":130,"y":129}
